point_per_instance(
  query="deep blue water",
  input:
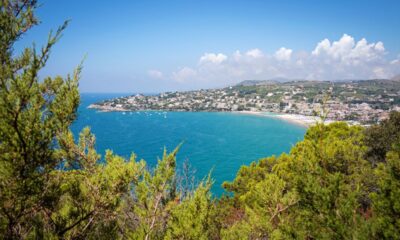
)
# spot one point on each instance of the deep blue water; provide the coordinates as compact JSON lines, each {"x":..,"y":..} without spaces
{"x":219,"y":141}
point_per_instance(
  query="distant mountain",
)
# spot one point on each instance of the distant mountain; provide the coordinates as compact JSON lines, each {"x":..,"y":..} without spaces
{"x":263,"y":82}
{"x":396,"y":78}
{"x":286,"y":80}
{"x":255,"y":82}
{"x":280,"y":79}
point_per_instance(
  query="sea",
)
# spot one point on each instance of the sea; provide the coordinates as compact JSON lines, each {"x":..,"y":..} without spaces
{"x":212,"y":142}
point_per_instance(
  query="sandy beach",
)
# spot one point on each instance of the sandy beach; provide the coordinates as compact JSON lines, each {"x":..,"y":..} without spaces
{"x":302,"y":120}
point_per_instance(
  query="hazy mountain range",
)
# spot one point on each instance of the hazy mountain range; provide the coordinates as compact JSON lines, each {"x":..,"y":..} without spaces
{"x":282,"y":80}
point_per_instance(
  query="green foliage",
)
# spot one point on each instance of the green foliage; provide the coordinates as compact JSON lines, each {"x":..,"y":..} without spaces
{"x":313,"y":192}
{"x":33,"y":114}
{"x":386,"y":201}
{"x":326,"y":188}
{"x":154,"y":197}
{"x":92,"y":193}
{"x":380,"y":138}
{"x":266,"y":203}
{"x":250,"y":175}
{"x":191,"y":218}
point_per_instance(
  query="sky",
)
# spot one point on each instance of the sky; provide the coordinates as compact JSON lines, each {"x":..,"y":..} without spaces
{"x":152,"y":46}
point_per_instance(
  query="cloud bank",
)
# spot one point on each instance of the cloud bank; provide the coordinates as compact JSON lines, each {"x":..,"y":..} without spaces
{"x":155,"y":74}
{"x":345,"y":58}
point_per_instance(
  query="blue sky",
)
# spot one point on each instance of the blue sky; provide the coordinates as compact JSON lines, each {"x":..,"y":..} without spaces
{"x":153,"y":46}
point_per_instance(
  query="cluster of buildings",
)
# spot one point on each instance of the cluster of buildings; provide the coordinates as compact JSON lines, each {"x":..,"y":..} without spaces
{"x":344,"y":101}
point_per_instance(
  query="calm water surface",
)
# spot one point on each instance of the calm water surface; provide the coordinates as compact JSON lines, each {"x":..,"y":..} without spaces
{"x":219,"y":141}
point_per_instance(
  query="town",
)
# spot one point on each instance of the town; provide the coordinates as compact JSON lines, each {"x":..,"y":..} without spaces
{"x":362,"y":101}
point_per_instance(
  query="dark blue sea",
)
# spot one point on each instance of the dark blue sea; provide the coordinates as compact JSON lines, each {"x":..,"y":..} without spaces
{"x":221,"y":142}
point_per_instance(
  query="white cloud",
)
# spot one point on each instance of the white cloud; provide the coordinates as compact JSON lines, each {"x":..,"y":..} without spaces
{"x":379,"y":46}
{"x":380,"y":72}
{"x":344,"y":58}
{"x":155,"y":74}
{"x":322,"y":46}
{"x":237,"y":55}
{"x":396,"y":61}
{"x":183,"y":74}
{"x":346,"y":50}
{"x":283,"y":54}
{"x":213,"y":58}
{"x":337,"y":49}
{"x":255,"y":53}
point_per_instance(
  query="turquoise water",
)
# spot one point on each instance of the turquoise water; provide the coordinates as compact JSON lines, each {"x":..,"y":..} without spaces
{"x":219,"y":141}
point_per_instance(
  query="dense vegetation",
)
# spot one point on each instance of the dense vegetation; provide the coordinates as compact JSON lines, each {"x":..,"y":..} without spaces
{"x":340,"y":182}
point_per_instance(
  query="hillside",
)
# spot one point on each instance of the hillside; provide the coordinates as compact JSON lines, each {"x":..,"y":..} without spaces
{"x":367,"y":101}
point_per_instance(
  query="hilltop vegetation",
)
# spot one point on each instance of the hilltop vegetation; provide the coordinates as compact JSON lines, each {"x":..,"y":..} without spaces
{"x":340,"y":182}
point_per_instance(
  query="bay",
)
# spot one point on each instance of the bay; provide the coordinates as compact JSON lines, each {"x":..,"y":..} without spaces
{"x":217,"y":141}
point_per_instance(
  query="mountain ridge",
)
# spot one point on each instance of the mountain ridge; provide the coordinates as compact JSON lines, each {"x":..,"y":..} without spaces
{"x":247,"y":83}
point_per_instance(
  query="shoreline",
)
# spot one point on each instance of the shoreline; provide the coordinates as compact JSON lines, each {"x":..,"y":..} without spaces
{"x":298,"y":119}
{"x":302,"y":120}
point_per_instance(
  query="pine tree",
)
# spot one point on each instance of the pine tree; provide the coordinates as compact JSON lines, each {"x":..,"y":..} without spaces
{"x":92,"y":192}
{"x":191,"y":219}
{"x":50,"y":187}
{"x":34,"y":113}
{"x":385,"y":222}
{"x":153,"y":198}
{"x":316,"y":191}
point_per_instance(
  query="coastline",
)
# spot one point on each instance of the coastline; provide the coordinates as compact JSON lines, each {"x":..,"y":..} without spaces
{"x":302,"y":120}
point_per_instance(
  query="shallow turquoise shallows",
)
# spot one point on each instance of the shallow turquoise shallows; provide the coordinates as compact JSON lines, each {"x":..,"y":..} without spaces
{"x":219,"y":141}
